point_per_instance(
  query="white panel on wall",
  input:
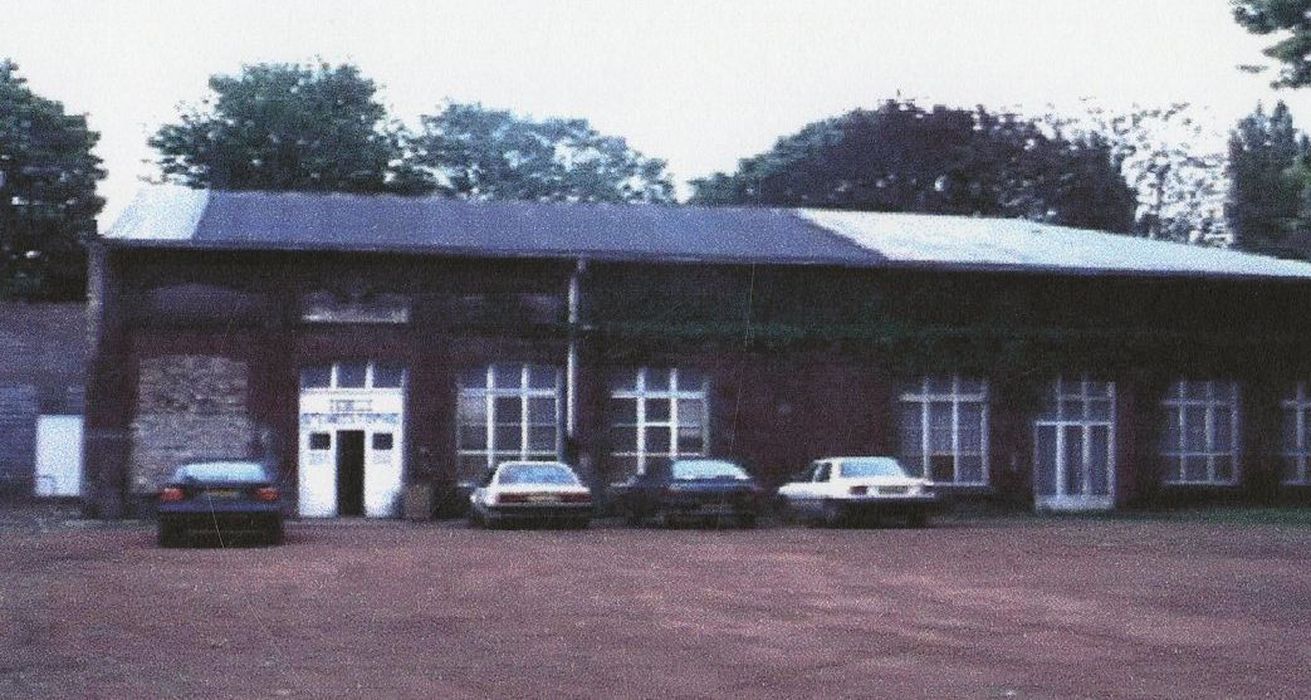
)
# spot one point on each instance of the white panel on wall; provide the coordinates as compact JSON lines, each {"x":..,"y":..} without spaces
{"x":58,"y":456}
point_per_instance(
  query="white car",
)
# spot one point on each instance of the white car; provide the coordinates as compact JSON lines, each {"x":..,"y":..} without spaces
{"x":836,"y":490}
{"x":539,"y":492}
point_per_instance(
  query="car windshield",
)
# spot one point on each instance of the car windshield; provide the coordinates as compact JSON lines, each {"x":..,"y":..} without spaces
{"x":706,"y":469}
{"x":222,"y":471}
{"x":556,"y":474}
{"x":878,"y":466}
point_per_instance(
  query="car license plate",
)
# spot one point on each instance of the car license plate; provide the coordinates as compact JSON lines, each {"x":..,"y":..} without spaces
{"x":223,"y":493}
{"x":543,"y":498}
{"x":893,"y":490}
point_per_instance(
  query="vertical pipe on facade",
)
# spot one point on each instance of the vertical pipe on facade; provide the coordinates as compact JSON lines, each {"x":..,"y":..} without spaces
{"x":571,"y":362}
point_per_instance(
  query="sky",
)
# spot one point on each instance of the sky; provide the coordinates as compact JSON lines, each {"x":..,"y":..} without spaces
{"x":698,"y":83}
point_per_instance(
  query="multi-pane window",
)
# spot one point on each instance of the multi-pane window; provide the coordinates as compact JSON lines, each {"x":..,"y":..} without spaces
{"x":506,"y":412}
{"x":1081,"y":400}
{"x":1074,"y":444}
{"x":1297,"y":440}
{"x":657,"y":414}
{"x":354,"y":374}
{"x":944,"y":429}
{"x":1201,"y":432}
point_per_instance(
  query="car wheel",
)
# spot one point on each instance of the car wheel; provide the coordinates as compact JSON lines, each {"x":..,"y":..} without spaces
{"x":746,"y":521}
{"x":169,"y":535}
{"x":832,"y":515}
{"x":632,"y":518}
{"x":276,"y":535}
{"x":580,"y":524}
{"x":664,"y":519}
{"x":917,"y":520}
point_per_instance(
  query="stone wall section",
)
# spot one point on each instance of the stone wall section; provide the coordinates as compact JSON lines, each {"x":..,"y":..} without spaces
{"x":189,"y":407}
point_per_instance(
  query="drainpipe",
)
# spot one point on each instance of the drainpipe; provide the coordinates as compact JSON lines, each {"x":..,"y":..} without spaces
{"x":571,"y":363}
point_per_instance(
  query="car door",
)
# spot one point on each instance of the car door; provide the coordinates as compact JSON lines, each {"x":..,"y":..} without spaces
{"x":819,"y":487}
{"x":478,"y":498}
{"x":794,"y":490}
{"x":641,"y":492}
{"x":804,"y":496}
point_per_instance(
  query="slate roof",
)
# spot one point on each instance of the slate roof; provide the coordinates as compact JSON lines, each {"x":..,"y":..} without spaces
{"x":177,"y":217}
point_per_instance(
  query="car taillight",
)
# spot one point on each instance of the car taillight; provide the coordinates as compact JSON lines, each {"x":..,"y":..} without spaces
{"x":859,"y":490}
{"x":576,"y":497}
{"x":267,"y":494}
{"x":171,"y":495}
{"x":512,"y":498}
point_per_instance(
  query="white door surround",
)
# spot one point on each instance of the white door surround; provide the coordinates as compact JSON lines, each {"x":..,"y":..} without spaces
{"x":326,"y":413}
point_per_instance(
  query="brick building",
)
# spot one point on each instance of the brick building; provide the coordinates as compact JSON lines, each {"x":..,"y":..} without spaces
{"x":366,"y":343}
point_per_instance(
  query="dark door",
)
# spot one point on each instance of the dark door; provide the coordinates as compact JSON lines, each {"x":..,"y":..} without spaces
{"x":350,"y":472}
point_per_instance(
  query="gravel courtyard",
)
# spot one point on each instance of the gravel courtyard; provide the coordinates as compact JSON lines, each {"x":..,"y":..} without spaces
{"x":996,"y":608}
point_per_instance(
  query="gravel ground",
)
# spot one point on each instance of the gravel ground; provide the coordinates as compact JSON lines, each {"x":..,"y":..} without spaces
{"x":993,"y":608}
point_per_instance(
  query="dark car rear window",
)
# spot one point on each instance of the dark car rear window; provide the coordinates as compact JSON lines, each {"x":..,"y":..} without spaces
{"x":222,"y":471}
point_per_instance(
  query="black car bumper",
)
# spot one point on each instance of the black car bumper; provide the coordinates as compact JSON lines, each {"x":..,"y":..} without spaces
{"x":705,"y":506}
{"x":898,"y":506}
{"x":192,"y":522}
{"x":537,"y":512}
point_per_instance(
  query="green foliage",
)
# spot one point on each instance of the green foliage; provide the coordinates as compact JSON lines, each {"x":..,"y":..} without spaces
{"x":479,"y":153}
{"x":282,"y":127}
{"x":902,"y":158}
{"x":48,"y":201}
{"x":1267,"y":170}
{"x":1292,"y":51}
{"x":1166,"y":157}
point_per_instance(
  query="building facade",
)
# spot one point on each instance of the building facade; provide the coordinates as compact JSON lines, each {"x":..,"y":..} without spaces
{"x":43,"y":348}
{"x":364,"y":344}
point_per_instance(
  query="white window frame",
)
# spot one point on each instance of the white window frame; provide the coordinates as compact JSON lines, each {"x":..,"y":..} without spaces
{"x":1176,"y":406}
{"x":489,"y":393}
{"x":1299,"y":453}
{"x":1071,"y":405}
{"x":334,"y":376}
{"x":675,"y":394}
{"x":922,"y":399}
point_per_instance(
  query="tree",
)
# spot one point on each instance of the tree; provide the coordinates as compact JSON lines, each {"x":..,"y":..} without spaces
{"x":1167,"y":156}
{"x":901,"y":158}
{"x":278,"y":126}
{"x":477,"y":153}
{"x":48,"y":201}
{"x":1293,"y":51}
{"x":1267,"y":162}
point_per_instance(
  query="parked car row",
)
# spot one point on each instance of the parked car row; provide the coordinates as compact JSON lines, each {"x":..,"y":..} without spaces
{"x":242,"y":497}
{"x":834,"y":491}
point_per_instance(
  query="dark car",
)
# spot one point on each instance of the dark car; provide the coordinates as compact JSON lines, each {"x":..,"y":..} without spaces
{"x":709,"y":490}
{"x":221,"y":499}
